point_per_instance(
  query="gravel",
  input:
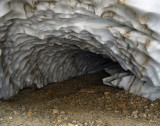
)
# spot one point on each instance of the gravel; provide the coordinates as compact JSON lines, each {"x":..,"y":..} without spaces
{"x":80,"y":101}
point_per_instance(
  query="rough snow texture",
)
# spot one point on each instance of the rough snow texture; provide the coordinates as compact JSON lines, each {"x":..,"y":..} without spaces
{"x":45,"y":41}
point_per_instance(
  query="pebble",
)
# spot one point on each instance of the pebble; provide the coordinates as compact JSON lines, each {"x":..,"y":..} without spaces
{"x":74,"y":121}
{"x":10,"y":117}
{"x":70,"y":124}
{"x":135,"y":114}
{"x":55,"y":111}
{"x":59,"y":120}
{"x":143,"y":115}
{"x":62,"y":113}
{"x":29,"y":113}
{"x":106,"y":94}
{"x":15,"y":112}
{"x":122,"y":105}
{"x":85,"y":124}
{"x":150,"y":115}
{"x":99,"y":124}
{"x":112,"y":124}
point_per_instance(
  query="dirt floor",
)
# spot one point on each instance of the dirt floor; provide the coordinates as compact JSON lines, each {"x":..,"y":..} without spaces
{"x":80,"y":101}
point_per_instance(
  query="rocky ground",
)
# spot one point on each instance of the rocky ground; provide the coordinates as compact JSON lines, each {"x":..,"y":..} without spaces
{"x":80,"y":101}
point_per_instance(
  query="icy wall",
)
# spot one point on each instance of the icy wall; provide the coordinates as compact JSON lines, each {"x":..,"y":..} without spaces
{"x":45,"y":41}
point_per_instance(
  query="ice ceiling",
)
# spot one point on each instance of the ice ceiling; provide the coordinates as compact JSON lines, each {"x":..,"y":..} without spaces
{"x":45,"y":41}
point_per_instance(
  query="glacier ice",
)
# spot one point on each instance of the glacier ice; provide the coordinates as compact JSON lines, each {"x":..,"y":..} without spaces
{"x":45,"y":41}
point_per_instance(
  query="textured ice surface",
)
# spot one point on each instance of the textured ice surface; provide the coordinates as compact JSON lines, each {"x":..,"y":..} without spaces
{"x":45,"y":41}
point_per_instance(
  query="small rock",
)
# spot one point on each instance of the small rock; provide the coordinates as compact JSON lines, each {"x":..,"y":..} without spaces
{"x":150,"y":115}
{"x":132,"y":103}
{"x":145,"y":107}
{"x":141,"y":124}
{"x":70,"y":124}
{"x":116,"y":111}
{"x":135,"y":114}
{"x":10,"y":117}
{"x":59,"y":120}
{"x":55,"y":111}
{"x":122,"y":105}
{"x":87,"y":91}
{"x":117,"y":94}
{"x":112,"y":124}
{"x":143,"y":115}
{"x":99,"y":124}
{"x":62,"y":113}
{"x":125,"y":112}
{"x":74,"y":121}
{"x":85,"y":124}
{"x":1,"y":119}
{"x":106,"y":93}
{"x":50,"y":92}
{"x":15,"y":112}
{"x":29,"y":113}
{"x":65,"y":118}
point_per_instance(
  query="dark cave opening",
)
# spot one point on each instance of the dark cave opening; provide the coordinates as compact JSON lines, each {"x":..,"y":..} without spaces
{"x":91,"y":71}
